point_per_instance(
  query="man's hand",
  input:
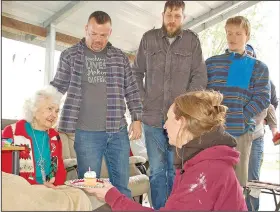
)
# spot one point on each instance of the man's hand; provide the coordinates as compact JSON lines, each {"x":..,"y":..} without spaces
{"x":135,"y":130}
{"x":274,"y":131}
{"x":276,"y":139}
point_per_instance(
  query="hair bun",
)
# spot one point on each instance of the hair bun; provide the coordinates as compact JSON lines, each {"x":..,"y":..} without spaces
{"x":220,"y":108}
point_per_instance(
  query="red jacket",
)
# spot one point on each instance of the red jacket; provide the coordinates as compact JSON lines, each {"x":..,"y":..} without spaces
{"x":208,"y":183}
{"x":27,"y":164}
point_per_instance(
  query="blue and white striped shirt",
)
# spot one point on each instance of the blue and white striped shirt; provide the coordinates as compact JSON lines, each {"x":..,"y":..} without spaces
{"x":244,"y":82}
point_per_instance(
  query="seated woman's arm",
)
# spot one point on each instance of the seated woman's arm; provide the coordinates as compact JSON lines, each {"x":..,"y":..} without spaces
{"x":7,"y":132}
{"x":7,"y":156}
{"x":60,"y":176}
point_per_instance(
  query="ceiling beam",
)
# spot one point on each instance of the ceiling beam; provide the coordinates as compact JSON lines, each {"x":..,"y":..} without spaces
{"x":224,"y":16}
{"x":212,"y":13}
{"x":63,"y":13}
{"x":140,"y":10}
{"x":42,"y":43}
{"x":204,"y":5}
{"x":25,"y":20}
{"x":23,"y":27}
{"x":36,"y":41}
{"x":9,"y":24}
{"x":60,"y":37}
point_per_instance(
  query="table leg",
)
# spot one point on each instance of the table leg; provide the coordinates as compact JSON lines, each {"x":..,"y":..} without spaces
{"x":15,"y":163}
{"x":275,"y":200}
{"x":278,"y":206}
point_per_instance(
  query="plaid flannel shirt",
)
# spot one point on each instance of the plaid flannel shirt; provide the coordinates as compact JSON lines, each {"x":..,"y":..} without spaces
{"x":120,"y":81}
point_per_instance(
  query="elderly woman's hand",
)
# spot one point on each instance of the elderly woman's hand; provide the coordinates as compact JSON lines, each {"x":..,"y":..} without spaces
{"x":50,"y":184}
{"x":100,"y":193}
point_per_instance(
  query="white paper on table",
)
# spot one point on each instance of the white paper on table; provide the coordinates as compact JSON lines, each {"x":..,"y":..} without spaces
{"x":255,"y":192}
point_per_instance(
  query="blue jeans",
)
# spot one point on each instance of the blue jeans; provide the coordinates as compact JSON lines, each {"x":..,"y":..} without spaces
{"x":254,"y":170}
{"x":160,"y":155}
{"x":91,"y":146}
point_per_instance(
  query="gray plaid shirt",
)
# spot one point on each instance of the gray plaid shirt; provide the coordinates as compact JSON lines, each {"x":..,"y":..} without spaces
{"x":121,"y":85}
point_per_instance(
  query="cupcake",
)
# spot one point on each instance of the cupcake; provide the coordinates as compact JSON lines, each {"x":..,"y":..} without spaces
{"x":90,"y":178}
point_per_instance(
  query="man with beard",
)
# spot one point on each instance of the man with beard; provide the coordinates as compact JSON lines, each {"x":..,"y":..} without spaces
{"x":171,"y":60}
{"x":97,"y":77}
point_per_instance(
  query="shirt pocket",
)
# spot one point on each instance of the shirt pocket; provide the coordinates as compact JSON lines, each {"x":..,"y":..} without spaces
{"x":182,"y":60}
{"x":155,"y":60}
{"x":181,"y":72}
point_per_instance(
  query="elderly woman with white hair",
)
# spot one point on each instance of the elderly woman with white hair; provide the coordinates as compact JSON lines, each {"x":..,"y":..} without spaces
{"x":41,"y":162}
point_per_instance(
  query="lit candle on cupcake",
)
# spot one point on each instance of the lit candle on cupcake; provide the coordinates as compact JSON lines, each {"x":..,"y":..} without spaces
{"x":90,"y":177}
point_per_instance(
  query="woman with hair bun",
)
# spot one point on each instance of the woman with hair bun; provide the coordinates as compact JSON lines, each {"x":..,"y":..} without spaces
{"x":205,"y":159}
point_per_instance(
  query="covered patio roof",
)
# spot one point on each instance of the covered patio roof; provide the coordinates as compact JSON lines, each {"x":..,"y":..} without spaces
{"x":60,"y":24}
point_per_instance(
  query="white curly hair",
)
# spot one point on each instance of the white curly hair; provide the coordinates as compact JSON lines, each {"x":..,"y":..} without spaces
{"x":30,"y":105}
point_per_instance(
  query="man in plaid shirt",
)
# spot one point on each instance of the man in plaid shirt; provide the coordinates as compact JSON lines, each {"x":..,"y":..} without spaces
{"x":98,"y":79}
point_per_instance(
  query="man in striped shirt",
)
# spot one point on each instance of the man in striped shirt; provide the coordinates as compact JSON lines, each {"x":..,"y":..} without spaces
{"x":98,"y":79}
{"x":244,"y":82}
